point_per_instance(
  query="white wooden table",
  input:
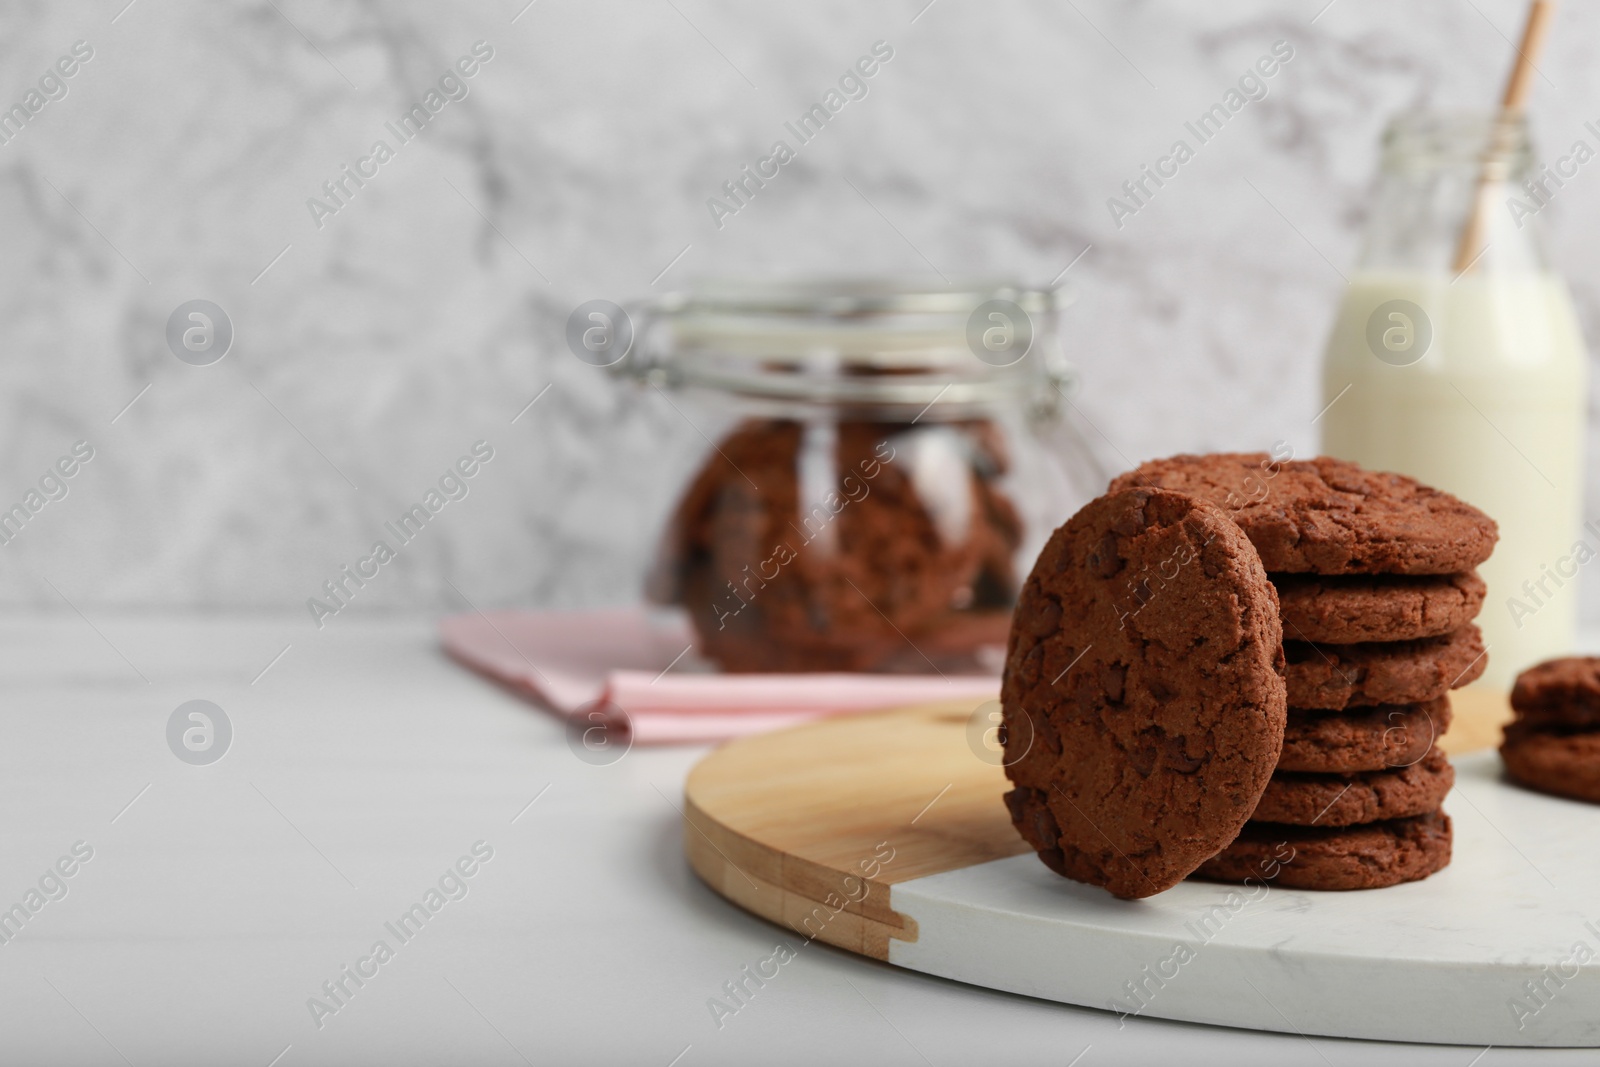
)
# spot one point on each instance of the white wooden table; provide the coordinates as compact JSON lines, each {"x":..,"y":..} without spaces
{"x":363,"y":766}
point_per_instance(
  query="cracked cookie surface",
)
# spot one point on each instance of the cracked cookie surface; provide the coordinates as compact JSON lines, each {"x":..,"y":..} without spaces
{"x":1329,"y":516}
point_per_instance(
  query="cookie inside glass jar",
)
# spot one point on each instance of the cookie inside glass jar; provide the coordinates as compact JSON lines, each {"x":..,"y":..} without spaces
{"x":861,"y":507}
{"x":847,"y":546}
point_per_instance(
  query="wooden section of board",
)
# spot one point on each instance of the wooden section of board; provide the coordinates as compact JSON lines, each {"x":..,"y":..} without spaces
{"x":809,"y":827}
{"x":1480,"y":716}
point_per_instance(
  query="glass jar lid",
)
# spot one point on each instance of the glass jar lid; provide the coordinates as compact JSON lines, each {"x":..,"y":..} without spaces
{"x":875,"y":343}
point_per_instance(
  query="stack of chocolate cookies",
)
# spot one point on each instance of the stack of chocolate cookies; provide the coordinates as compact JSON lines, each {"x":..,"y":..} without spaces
{"x":1376,"y":585}
{"x":1554,"y":743}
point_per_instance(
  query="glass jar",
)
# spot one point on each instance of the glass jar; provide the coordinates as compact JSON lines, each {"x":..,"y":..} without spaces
{"x":888,"y":461}
{"x":1457,"y":360}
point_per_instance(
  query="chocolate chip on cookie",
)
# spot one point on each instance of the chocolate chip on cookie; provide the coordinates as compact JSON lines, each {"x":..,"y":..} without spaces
{"x":1329,"y":516}
{"x":1145,"y":658}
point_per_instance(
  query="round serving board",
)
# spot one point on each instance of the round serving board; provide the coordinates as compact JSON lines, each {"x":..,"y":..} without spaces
{"x":886,"y":835}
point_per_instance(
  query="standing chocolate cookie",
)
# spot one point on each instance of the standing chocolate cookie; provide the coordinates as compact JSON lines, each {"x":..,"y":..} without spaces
{"x":1143,"y":694}
{"x":1328,"y":516}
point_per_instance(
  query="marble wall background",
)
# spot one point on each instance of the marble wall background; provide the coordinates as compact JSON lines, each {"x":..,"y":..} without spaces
{"x":428,"y":312}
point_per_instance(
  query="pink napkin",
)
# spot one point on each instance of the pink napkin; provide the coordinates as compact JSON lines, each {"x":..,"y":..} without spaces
{"x":642,"y":663}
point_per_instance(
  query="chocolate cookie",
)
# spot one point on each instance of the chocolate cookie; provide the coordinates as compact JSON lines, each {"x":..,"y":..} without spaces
{"x":828,"y":547}
{"x":1327,"y":516}
{"x":1355,"y":857}
{"x":1345,"y":800}
{"x":1351,"y":608}
{"x":1562,"y":692}
{"x":1362,"y":739}
{"x":1389,"y":672}
{"x":1143,"y":692}
{"x":1565,"y":763}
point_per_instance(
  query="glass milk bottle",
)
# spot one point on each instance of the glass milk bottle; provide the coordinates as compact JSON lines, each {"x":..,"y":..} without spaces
{"x":1473,"y":381}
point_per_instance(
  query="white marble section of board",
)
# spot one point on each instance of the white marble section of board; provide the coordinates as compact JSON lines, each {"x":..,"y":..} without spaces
{"x":1502,"y":947}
